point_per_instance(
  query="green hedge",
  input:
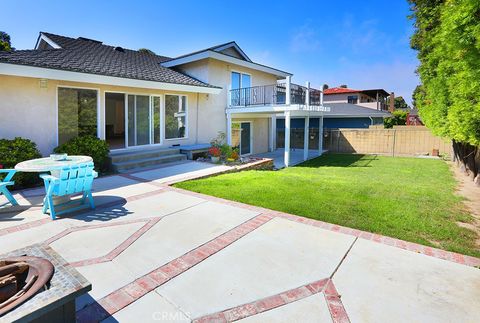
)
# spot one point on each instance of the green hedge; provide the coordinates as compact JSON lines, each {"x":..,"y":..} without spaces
{"x":89,"y":146}
{"x":15,"y":151}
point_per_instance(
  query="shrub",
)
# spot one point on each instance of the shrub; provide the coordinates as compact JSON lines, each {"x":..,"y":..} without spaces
{"x":398,"y":118}
{"x":15,"y":151}
{"x":89,"y":146}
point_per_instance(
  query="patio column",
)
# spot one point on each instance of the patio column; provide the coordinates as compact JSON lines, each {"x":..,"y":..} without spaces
{"x":229,"y":129}
{"x":273,"y":133}
{"x":288,"y":93}
{"x":305,"y":138}
{"x":286,"y":157}
{"x":320,"y":136}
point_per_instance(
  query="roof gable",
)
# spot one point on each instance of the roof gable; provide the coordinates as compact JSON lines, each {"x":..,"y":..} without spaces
{"x":231,"y":49}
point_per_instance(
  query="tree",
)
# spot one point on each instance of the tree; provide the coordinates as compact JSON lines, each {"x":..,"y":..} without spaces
{"x":343,"y":86}
{"x":447,"y":38}
{"x":398,"y":117}
{"x":399,"y":103}
{"x":146,"y":51}
{"x":5,"y":44}
{"x":417,"y":93}
{"x":325,"y":87}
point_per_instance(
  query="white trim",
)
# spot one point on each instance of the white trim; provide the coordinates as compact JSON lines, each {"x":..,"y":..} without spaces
{"x":81,"y":88}
{"x":47,"y":40}
{"x":54,"y":74}
{"x":234,"y":45}
{"x":277,"y":108}
{"x":224,"y":58}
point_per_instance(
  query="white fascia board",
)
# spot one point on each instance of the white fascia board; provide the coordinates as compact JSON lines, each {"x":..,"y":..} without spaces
{"x":47,"y":40}
{"x":234,"y":45}
{"x":352,"y":116}
{"x":224,"y":58}
{"x":53,"y":74}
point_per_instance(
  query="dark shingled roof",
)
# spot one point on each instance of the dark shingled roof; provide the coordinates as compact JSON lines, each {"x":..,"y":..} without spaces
{"x":93,"y":57}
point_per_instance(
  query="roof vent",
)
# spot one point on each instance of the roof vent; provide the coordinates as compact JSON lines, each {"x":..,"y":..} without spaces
{"x":88,"y":39}
{"x":119,"y":49}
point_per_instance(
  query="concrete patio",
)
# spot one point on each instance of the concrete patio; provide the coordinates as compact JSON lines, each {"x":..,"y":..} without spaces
{"x":156,"y":253}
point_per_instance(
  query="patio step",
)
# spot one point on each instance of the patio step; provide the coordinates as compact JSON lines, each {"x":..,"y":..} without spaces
{"x":129,"y":165}
{"x":130,"y":160}
{"x":122,"y":156}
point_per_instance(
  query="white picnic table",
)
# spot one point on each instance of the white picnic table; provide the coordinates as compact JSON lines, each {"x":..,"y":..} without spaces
{"x":47,"y":164}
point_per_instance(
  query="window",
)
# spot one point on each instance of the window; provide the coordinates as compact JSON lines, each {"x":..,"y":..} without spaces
{"x":77,"y":113}
{"x":353,"y":99}
{"x":175,"y":116}
{"x":240,"y":80}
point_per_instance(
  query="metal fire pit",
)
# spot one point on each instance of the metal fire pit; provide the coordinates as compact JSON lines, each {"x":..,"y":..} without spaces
{"x":57,"y":302}
{"x":40,"y":270}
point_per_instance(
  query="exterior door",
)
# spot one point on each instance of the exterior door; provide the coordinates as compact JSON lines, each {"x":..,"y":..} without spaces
{"x":143,"y":120}
{"x":242,"y":137}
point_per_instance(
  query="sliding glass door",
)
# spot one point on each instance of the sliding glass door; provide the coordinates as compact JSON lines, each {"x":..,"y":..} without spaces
{"x":144,"y":123}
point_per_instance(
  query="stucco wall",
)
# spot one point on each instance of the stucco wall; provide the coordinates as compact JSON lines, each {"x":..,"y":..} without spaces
{"x":260,"y":132}
{"x":30,"y":111}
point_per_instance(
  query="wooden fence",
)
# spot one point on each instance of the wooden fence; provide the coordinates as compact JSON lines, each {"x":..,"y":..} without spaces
{"x":399,"y":141}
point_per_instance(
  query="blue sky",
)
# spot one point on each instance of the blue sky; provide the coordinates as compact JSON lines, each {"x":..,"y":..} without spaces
{"x":364,"y":44}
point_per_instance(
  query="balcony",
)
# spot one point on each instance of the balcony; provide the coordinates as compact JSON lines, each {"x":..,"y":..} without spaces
{"x":280,"y":96}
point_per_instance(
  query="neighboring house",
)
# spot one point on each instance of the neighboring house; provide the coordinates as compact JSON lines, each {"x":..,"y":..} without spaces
{"x":372,"y":99}
{"x":413,"y":118}
{"x":136,"y":101}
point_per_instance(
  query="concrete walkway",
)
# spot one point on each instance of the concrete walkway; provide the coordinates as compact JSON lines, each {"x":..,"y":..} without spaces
{"x":156,"y":253}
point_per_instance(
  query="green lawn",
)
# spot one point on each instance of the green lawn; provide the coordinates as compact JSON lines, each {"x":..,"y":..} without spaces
{"x":407,"y":198}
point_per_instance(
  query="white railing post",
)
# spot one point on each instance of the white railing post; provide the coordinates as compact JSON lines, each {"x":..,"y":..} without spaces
{"x":229,"y":128}
{"x":321,"y":98}
{"x":320,"y":136}
{"x":306,"y":137}
{"x":286,"y":157}
{"x":288,"y":82}
{"x":307,"y":95}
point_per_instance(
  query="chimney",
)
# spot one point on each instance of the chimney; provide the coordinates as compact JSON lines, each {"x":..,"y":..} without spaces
{"x":392,"y":102}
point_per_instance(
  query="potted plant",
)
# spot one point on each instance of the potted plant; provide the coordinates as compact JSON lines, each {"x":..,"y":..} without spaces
{"x":215,"y":154}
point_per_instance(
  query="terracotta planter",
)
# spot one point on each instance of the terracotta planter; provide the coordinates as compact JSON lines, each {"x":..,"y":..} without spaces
{"x":435,"y":152}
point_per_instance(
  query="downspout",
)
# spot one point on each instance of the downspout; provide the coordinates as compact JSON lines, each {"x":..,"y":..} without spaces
{"x":196,"y":121}
{"x":371,"y":121}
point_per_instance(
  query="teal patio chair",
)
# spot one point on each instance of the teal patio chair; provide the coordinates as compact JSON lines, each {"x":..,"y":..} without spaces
{"x":7,"y":181}
{"x":71,"y":180}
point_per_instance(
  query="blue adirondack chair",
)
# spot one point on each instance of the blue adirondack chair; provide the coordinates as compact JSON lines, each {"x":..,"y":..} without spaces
{"x":7,"y":181}
{"x":71,"y":180}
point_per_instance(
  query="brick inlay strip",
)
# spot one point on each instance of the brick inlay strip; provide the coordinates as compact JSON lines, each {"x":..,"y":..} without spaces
{"x":394,"y":242}
{"x":325,"y":286}
{"x":128,"y":294}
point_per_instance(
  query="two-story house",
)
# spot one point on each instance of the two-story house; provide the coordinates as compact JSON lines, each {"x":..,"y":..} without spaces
{"x":139,"y":102}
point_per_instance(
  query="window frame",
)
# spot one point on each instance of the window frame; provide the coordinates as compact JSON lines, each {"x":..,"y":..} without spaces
{"x":187,"y":126}
{"x":353,"y":96}
{"x":241,"y":73}
{"x":63,"y":86}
